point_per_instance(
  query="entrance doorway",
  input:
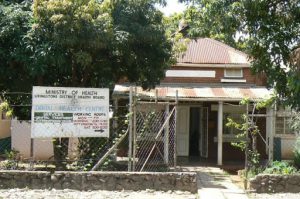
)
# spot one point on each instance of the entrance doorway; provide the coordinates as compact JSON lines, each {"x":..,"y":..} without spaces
{"x":192,"y":131}
{"x":198,"y":132}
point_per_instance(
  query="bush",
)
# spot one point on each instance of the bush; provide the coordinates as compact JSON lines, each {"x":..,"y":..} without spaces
{"x":297,"y":153}
{"x":282,"y":167}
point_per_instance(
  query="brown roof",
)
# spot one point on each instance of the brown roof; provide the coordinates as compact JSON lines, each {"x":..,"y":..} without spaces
{"x":203,"y":93}
{"x":210,"y":51}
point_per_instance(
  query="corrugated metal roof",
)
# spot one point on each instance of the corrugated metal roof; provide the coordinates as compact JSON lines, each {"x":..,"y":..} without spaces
{"x":200,"y":93}
{"x":209,"y":51}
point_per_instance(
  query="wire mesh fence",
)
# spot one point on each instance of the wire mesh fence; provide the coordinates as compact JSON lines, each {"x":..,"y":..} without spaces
{"x":152,"y":147}
{"x":20,"y":151}
{"x":5,"y":145}
{"x":154,"y":144}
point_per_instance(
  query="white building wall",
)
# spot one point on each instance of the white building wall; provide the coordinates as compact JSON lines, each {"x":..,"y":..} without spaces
{"x":42,"y":148}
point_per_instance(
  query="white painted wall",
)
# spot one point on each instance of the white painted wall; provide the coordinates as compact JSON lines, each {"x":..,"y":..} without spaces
{"x":287,"y":146}
{"x":191,"y":73}
{"x":42,"y":148}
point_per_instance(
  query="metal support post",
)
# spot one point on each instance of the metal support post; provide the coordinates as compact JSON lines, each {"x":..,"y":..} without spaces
{"x":220,"y":133}
{"x":175,"y":130}
{"x":134,"y":130}
{"x":130,"y":132}
{"x":166,"y":136}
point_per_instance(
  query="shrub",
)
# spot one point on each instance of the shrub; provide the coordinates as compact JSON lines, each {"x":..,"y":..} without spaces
{"x":280,"y":167}
{"x":297,"y":153}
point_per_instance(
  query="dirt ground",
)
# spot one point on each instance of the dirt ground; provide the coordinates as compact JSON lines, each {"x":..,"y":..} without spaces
{"x":73,"y":194}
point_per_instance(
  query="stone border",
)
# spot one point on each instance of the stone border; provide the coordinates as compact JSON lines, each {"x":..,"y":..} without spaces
{"x":271,"y":183}
{"x":184,"y":181}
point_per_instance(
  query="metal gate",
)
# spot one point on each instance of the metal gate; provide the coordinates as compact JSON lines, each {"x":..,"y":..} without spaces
{"x":153,"y":136}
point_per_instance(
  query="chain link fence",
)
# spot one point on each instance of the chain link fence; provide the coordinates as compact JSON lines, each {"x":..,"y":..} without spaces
{"x":79,"y":154}
{"x":154,"y":140}
{"x":5,"y":145}
{"x":143,"y":140}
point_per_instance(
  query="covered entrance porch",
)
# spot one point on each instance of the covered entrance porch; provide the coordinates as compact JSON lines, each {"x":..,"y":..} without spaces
{"x":201,"y":115}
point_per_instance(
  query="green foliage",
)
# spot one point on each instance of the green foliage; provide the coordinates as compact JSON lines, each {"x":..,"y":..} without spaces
{"x":242,"y":136}
{"x":82,"y":43}
{"x":143,"y":48}
{"x":15,"y":20}
{"x":280,"y":167}
{"x":89,"y":149}
{"x":254,"y":159}
{"x":295,"y":122}
{"x":297,"y":153}
{"x":219,"y":20}
{"x":11,"y":161}
{"x":4,"y":107}
{"x":248,"y":134}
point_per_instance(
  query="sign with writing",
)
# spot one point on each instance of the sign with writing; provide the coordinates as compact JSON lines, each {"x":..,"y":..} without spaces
{"x":69,"y":112}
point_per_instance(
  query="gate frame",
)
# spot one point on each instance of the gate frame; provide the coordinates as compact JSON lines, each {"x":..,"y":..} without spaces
{"x":133,"y":102}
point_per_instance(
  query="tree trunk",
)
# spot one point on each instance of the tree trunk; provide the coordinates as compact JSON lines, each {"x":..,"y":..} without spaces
{"x":60,"y":146}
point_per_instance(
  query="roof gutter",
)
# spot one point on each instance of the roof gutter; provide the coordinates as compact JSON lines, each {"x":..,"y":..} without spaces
{"x":213,"y":65}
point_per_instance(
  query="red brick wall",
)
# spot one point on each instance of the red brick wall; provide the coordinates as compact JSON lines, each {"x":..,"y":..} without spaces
{"x":250,"y":78}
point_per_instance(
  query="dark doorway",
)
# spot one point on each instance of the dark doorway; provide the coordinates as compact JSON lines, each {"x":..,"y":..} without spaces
{"x":194,"y":131}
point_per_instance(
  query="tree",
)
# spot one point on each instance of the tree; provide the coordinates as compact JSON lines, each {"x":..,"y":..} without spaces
{"x":247,"y":138}
{"x":81,"y":43}
{"x":15,"y":22}
{"x":215,"y":19}
{"x":85,"y":43}
{"x":267,"y":30}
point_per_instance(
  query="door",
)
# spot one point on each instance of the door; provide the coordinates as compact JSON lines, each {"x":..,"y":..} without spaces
{"x":182,"y":131}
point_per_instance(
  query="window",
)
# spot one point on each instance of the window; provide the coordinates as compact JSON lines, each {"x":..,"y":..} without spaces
{"x":282,"y":125}
{"x":233,"y":73}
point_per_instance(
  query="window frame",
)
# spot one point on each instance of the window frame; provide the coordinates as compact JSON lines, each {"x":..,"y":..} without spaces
{"x":226,"y":75}
{"x":286,"y":130}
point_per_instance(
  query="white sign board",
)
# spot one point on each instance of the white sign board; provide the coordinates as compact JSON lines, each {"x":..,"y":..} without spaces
{"x":69,"y":112}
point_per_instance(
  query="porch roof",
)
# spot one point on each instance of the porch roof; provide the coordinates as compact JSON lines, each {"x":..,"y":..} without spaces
{"x":201,"y":93}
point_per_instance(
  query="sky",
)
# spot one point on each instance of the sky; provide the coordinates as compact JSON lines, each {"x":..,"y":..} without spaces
{"x":172,"y":7}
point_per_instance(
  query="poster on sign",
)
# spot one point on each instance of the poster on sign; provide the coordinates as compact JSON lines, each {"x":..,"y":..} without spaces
{"x":69,"y":112}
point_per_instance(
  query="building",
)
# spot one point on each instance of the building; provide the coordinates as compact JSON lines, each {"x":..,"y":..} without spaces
{"x":211,"y":78}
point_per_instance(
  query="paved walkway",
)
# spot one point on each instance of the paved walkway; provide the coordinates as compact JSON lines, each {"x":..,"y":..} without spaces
{"x":215,"y":183}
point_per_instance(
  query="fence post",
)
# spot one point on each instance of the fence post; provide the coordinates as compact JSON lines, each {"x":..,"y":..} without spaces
{"x":247,"y":148}
{"x":167,"y":134}
{"x":272,"y":115}
{"x":116,"y":107}
{"x":134,"y":129}
{"x":130,"y":131}
{"x":31,"y":165}
{"x":175,"y":130}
